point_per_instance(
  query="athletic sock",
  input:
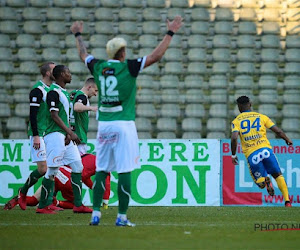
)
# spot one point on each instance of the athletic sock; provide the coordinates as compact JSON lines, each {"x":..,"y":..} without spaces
{"x":32,"y":179}
{"x":98,"y":189}
{"x":47,"y":184}
{"x":124,"y":191}
{"x":283,"y":188}
{"x":31,"y":201}
{"x":77,"y":187}
{"x":122,"y":216}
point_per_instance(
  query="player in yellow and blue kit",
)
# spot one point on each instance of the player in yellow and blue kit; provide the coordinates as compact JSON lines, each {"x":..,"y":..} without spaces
{"x":251,"y":127}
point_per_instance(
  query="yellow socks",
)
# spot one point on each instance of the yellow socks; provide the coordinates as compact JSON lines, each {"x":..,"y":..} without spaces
{"x":283,"y":188}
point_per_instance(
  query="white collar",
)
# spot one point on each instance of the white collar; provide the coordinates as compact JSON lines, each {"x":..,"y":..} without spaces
{"x":59,"y":86}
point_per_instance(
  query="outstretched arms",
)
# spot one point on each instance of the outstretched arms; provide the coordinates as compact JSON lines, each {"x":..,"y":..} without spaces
{"x":77,"y":29}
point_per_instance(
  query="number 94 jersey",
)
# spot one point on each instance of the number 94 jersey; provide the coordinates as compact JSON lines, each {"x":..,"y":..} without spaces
{"x":252,"y":128}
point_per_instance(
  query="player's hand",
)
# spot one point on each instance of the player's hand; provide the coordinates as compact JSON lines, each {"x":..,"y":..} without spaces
{"x":235,"y":161}
{"x":67,"y":139}
{"x":175,"y":24}
{"x":36,"y":142}
{"x":75,"y":138}
{"x":94,"y":108}
{"x":289,"y":142}
{"x":77,"y":27}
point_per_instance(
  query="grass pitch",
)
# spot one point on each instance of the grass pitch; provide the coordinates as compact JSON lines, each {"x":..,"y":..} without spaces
{"x":157,"y":228}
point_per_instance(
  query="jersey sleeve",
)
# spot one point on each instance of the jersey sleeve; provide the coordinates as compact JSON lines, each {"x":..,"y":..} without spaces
{"x":53,"y":100}
{"x":82,"y":99}
{"x":90,"y":62}
{"x":234,"y":126}
{"x":35,"y":98}
{"x":268,"y":122}
{"x":136,"y":66}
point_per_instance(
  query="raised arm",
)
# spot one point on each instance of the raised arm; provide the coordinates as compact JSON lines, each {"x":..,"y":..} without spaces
{"x":77,"y":29}
{"x":160,"y":50}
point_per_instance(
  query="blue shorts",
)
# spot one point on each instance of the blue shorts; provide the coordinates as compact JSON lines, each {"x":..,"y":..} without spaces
{"x":263,"y":162}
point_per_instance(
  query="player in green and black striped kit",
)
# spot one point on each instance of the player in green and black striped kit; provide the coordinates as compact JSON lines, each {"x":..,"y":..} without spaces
{"x":117,"y":142}
{"x":59,"y":140}
{"x":36,"y":129}
{"x":79,"y":113}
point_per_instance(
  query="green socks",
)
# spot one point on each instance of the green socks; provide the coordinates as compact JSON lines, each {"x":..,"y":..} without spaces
{"x":98,"y":189}
{"x":32,"y":179}
{"x":77,"y":187}
{"x":124,"y":191}
{"x":47,"y":190}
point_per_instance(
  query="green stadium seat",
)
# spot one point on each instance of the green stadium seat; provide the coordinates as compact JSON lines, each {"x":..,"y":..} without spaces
{"x":146,"y":81}
{"x":128,"y":14}
{"x":22,"y":109}
{"x":290,"y":125}
{"x":174,"y":54}
{"x":33,"y":27}
{"x":6,"y":67}
{"x":156,"y":3}
{"x":25,"y":40}
{"x":269,"y":68}
{"x":221,"y":68}
{"x":218,"y":96}
{"x":100,"y":53}
{"x":270,"y":55}
{"x":171,"y":96}
{"x":16,"y":124}
{"x":197,"y":68}
{"x":166,"y":124}
{"x":223,"y":14}
{"x":16,"y":135}
{"x":223,"y":28}
{"x":97,"y":41}
{"x":172,"y":12}
{"x":270,"y":28}
{"x":144,"y":135}
{"x":145,"y":52}
{"x":174,"y":68}
{"x":191,"y":135}
{"x":202,"y":3}
{"x":63,"y":3}
{"x":152,"y":70}
{"x":292,"y":41}
{"x":93,"y":125}
{"x":179,"y":3}
{"x":4,"y":110}
{"x":32,"y":13}
{"x":87,"y":3}
{"x":269,"y":110}
{"x":246,"y":55}
{"x":245,"y":41}
{"x":291,"y":96}
{"x":110,"y":3}
{"x":5,"y":54}
{"x":291,"y":82}
{"x":292,"y":55}
{"x":197,"y":54}
{"x":127,"y":27}
{"x":145,"y":95}
{"x":248,"y":28}
{"x":16,"y":3}
{"x":70,"y":41}
{"x":221,"y":55}
{"x":7,"y":13}
{"x":9,"y":27}
{"x":170,"y":110}
{"x":104,"y":14}
{"x":56,"y":27}
{"x":197,"y":41}
{"x":151,"y":27}
{"x":218,"y":110}
{"x":216,"y":125}
{"x":146,"y":110}
{"x":4,"y":40}
{"x":191,"y":124}
{"x":293,"y":135}
{"x":27,"y":54}
{"x":169,"y":81}
{"x":216,"y":135}
{"x":151,"y":14}
{"x":78,"y":68}
{"x":50,"y":40}
{"x":193,"y":81}
{"x":270,"y":41}
{"x":28,"y":67}
{"x":195,"y":110}
{"x":218,"y":81}
{"x":52,"y":54}
{"x":39,"y":3}
{"x":19,"y":81}
{"x":247,"y":14}
{"x":143,"y":124}
{"x":148,"y":41}
{"x":133,"y":3}
{"x":195,"y":96}
{"x":200,"y":14}
{"x":166,"y":135}
{"x":292,"y":68}
{"x":245,"y":68}
{"x":72,"y":54}
{"x":291,"y":111}
{"x":267,"y":82}
{"x":221,"y":41}
{"x":268,"y":96}
{"x":199,"y":27}
{"x":176,"y":42}
{"x":56,"y":14}
{"x":21,"y":95}
{"x":104,"y":27}
{"x":243,"y":82}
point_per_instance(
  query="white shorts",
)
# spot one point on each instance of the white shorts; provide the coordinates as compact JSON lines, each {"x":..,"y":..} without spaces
{"x":117,"y":147}
{"x":57,"y":153}
{"x":38,"y":155}
{"x":82,"y":149}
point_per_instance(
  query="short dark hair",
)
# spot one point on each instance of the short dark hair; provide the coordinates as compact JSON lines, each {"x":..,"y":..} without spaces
{"x":58,"y":69}
{"x":243,"y":100}
{"x":45,"y":67}
{"x":90,"y":80}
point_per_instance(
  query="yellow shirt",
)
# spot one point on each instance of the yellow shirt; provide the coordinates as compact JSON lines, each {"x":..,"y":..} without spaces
{"x":252,"y":131}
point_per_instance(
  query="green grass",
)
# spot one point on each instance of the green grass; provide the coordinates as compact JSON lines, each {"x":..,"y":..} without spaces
{"x":157,"y":228}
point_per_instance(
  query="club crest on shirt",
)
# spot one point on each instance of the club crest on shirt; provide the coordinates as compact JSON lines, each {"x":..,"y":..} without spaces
{"x":108,"y":72}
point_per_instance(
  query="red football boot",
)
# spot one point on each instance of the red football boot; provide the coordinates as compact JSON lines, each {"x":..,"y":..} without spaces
{"x":11,"y":204}
{"x":82,"y":209}
{"x":45,"y":210}
{"x":22,"y":200}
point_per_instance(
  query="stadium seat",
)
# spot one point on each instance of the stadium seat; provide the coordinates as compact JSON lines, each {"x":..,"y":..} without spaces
{"x":191,"y":125}
{"x":223,"y":28}
{"x":221,"y":41}
{"x":63,"y":3}
{"x":70,"y":42}
{"x":222,"y":55}
{"x":247,"y":4}
{"x":78,"y":68}
{"x":151,"y":14}
{"x":97,"y":41}
{"x":16,"y":135}
{"x":86,"y":3}
{"x":50,"y":40}
{"x":170,"y":110}
{"x":4,"y":110}
{"x":39,"y":3}
{"x":80,"y":14}
{"x":148,"y":41}
{"x":145,"y":95}
{"x":293,"y":135}
{"x":166,"y":124}
{"x":270,"y":3}
{"x":290,"y":125}
{"x":101,"y":53}
{"x":16,"y":3}
{"x":224,"y":14}
{"x":246,"y":55}
{"x":191,"y":135}
{"x":269,"y":110}
{"x":16,"y":124}
{"x":27,"y":54}
{"x":271,"y":15}
{"x":22,"y":109}
{"x":218,"y":110}
{"x":174,"y":68}
{"x":32,"y":13}
{"x":93,"y":125}
{"x":146,"y":110}
{"x":218,"y":81}
{"x":172,"y":12}
{"x":156,"y":3}
{"x":292,"y":68}
{"x":104,"y":27}
{"x":52,"y":54}
{"x":270,"y":41}
{"x":56,"y":27}
{"x":143,"y":124}
{"x":7,"y":13}
{"x":216,"y":135}
{"x":171,"y":96}
{"x":151,"y":27}
{"x":292,"y":41}
{"x":291,"y":82}
{"x":152,"y":70}
{"x":128,"y":14}
{"x":21,"y":95}
{"x":110,"y":3}
{"x":25,"y":40}
{"x":198,"y":27}
{"x":6,"y":67}
{"x":202,"y":3}
{"x":146,"y":81}
{"x":144,"y":135}
{"x":216,"y":124}
{"x":247,"y":28}
{"x":292,"y":55}
{"x":104,"y":14}
{"x":9,"y":27}
{"x":173,"y":54}
{"x":133,"y":3}
{"x":243,"y":82}
{"x":291,"y":96}
{"x":291,"y":111}
{"x":200,"y":14}
{"x":169,"y":81}
{"x":197,"y":54}
{"x":28,"y":67}
{"x":245,"y":68}
{"x":4,"y":40}
{"x":221,"y":68}
{"x":247,"y":14}
{"x":197,"y":68}
{"x":195,"y":110}
{"x":269,"y":55}
{"x":166,"y":135}
{"x":128,"y":28}
{"x":33,"y":27}
{"x":20,"y":81}
{"x":269,"y":68}
{"x":268,"y":96}
{"x":195,"y":96}
{"x":193,"y":81}
{"x":92,"y":135}
{"x":218,"y":96}
{"x":197,"y":41}
{"x":246,"y":41}
{"x":267,"y":82}
{"x":5,"y":54}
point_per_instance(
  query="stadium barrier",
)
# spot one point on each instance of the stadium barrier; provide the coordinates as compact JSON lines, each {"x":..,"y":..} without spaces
{"x":173,"y":173}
